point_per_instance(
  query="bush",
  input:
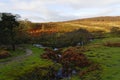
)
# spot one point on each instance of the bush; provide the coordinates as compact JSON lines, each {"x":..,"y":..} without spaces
{"x":110,"y":44}
{"x":4,"y":54}
{"x":72,"y":58}
{"x":61,"y":40}
{"x":50,"y":54}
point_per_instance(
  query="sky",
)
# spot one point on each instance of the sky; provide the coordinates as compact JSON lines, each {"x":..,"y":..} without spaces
{"x":60,"y":10}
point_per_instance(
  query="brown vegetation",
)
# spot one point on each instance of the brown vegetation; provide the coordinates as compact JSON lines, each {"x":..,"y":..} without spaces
{"x":71,"y":57}
{"x":50,"y":54}
{"x":112,"y":44}
{"x":4,"y":54}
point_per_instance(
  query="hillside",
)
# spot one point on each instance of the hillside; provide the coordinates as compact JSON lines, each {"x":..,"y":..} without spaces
{"x":98,"y":23}
{"x":103,"y":18}
{"x":91,"y":24}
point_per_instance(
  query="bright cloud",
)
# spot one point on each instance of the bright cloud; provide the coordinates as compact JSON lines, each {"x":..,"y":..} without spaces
{"x":60,"y":10}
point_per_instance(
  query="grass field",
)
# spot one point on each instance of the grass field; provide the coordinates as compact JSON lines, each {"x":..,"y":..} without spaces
{"x":12,"y":69}
{"x":107,"y":57}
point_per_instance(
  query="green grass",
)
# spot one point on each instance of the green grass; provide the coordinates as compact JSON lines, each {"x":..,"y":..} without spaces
{"x":108,"y":57}
{"x":11,"y":70}
{"x":109,"y":39}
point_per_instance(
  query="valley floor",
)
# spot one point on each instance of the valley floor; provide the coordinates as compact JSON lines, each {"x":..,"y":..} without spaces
{"x":108,"y":57}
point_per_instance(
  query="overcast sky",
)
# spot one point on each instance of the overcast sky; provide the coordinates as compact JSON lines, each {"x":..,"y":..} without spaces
{"x":60,"y":10}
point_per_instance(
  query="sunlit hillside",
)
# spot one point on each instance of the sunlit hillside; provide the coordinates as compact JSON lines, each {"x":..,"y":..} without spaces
{"x":91,"y":24}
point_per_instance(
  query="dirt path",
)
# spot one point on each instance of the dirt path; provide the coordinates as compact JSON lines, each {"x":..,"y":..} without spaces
{"x":28,"y":52}
{"x":18,"y":58}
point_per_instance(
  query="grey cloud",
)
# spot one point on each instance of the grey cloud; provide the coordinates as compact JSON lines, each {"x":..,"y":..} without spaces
{"x":40,"y":10}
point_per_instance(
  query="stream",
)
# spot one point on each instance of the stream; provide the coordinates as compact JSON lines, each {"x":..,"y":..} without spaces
{"x":63,"y":72}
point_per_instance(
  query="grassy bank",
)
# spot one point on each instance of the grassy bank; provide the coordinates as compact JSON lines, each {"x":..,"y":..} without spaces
{"x":108,"y":57}
{"x":10,"y":70}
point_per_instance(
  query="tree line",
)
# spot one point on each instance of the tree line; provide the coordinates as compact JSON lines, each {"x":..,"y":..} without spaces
{"x":14,"y":31}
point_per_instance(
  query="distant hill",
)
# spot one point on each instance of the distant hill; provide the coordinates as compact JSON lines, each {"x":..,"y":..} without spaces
{"x":97,"y":23}
{"x":91,"y":24}
{"x":103,"y":18}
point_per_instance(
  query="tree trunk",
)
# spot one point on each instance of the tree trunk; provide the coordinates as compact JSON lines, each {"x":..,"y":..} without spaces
{"x":12,"y":40}
{"x":13,"y":47}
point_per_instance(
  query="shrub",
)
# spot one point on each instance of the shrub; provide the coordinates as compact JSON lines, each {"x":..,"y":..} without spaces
{"x":112,"y":44}
{"x":50,"y":54}
{"x":4,"y":54}
{"x":66,"y":39}
{"x":71,"y":57}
